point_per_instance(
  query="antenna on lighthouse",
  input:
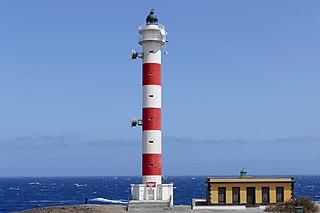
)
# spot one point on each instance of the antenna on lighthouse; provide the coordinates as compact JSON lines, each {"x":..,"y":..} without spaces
{"x":135,"y":54}
{"x":165,"y":49}
{"x":135,"y":122}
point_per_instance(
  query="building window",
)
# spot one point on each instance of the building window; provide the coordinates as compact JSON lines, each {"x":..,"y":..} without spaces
{"x":151,"y":51}
{"x":236,"y":195}
{"x":151,"y":73}
{"x":151,"y":164}
{"x":265,"y":194}
{"x":151,"y":119}
{"x":150,"y":141}
{"x":222,"y":195}
{"x":280,"y":194}
{"x":150,"y":96}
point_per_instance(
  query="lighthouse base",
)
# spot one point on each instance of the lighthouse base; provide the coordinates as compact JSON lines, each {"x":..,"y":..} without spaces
{"x":148,"y":193}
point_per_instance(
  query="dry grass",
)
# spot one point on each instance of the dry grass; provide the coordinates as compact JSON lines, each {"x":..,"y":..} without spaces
{"x":290,"y":206}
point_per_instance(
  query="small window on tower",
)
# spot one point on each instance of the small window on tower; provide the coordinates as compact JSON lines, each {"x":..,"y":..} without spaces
{"x":151,"y":119}
{"x":150,"y":96}
{"x":151,"y":164}
{"x":150,"y":141}
{"x":151,"y":73}
{"x":151,"y":51}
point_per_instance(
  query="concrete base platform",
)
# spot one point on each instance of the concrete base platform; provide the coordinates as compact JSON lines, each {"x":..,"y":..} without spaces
{"x":220,"y":207}
{"x":148,"y":205}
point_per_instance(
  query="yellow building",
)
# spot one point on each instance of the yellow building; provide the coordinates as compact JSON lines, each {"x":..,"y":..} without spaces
{"x":249,"y":191}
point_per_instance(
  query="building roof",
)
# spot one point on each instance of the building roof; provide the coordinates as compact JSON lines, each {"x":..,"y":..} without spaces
{"x":250,"y":180}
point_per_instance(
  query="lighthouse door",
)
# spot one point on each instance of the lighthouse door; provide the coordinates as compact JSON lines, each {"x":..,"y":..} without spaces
{"x":159,"y":196}
{"x":151,"y":194}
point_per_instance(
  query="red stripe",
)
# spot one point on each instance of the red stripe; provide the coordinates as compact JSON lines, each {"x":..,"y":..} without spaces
{"x":151,"y":164}
{"x":151,"y":118}
{"x":151,"y":74}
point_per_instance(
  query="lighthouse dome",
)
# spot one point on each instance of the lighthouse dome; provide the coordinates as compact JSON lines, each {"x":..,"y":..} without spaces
{"x":151,"y":18}
{"x":244,"y":173}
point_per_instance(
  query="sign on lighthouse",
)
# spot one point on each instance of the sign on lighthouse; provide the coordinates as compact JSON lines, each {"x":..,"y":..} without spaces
{"x":153,"y":37}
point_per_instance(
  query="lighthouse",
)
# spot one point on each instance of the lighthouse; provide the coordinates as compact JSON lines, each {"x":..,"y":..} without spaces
{"x":153,"y":40}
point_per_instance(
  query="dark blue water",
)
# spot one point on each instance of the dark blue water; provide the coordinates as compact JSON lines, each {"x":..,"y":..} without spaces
{"x":31,"y":192}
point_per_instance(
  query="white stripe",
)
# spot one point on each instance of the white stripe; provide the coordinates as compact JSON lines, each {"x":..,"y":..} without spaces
{"x":152,"y":178}
{"x":151,"y":142}
{"x":151,"y":96}
{"x":151,"y":52}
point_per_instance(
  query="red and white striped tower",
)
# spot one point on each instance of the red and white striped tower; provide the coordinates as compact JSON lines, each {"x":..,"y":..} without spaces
{"x":153,"y":37}
{"x":151,"y":107}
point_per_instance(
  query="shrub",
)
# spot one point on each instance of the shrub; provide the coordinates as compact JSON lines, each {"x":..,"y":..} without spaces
{"x":289,"y":206}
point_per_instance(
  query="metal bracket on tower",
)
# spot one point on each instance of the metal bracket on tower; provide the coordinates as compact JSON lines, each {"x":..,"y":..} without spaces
{"x":165,"y":46}
{"x":165,"y":49}
{"x":135,"y":122}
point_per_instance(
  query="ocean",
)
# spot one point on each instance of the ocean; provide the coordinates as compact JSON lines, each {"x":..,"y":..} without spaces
{"x":20,"y":193}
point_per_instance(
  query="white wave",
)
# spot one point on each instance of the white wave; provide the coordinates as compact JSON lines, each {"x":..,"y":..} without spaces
{"x":79,"y":185}
{"x":34,"y":183}
{"x":103,"y":200}
{"x":14,"y":188}
{"x":41,"y":201}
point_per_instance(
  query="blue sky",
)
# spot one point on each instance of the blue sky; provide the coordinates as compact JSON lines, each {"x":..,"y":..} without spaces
{"x":240,"y":87}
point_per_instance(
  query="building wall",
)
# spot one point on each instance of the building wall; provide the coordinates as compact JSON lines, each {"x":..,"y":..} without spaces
{"x":212,"y":190}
